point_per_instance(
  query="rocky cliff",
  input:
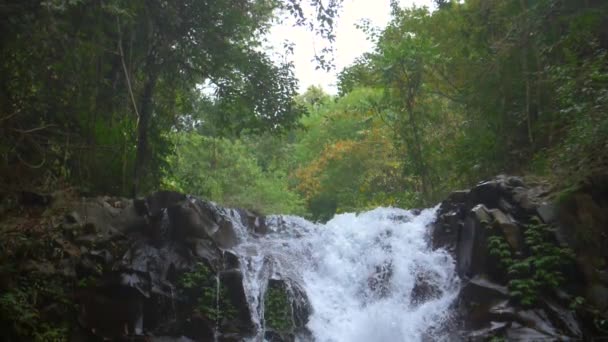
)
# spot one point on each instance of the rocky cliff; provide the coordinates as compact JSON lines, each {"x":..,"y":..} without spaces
{"x":531,"y":263}
{"x":156,"y":269}
{"x":526,"y":259}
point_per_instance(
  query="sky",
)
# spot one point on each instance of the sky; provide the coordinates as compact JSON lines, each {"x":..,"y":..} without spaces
{"x":350,"y":42}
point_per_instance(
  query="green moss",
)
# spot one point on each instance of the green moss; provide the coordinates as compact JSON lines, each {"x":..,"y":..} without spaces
{"x":201,"y":284}
{"x":277,"y":309}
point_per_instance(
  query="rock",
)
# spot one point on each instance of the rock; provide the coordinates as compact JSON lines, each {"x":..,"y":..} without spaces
{"x":471,"y":246}
{"x":486,"y":193}
{"x":256,"y":223}
{"x":424,"y":289}
{"x":190,"y":220}
{"x":459,"y":196}
{"x":205,"y":249}
{"x":547,"y":212}
{"x":34,"y":199}
{"x":225,"y":236}
{"x":509,"y":228}
{"x":232,"y":280}
{"x":379,"y":281}
{"x":482,"y":290}
{"x":230,"y":261}
{"x":286,"y":309}
{"x":518,"y":332}
{"x":598,"y":295}
{"x":486,"y":334}
{"x":476,"y":300}
{"x":538,"y":320}
{"x":562,"y":318}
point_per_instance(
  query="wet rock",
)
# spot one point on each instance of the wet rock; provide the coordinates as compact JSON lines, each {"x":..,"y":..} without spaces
{"x":471,"y":245}
{"x":562,"y":318}
{"x":379,"y":281}
{"x":476,"y":300}
{"x":424,"y":289}
{"x":548,"y":212}
{"x":518,"y":332}
{"x":286,"y":310}
{"x":459,"y":196}
{"x":230,"y":260}
{"x":486,"y":334}
{"x":256,"y":223}
{"x":241,"y":322}
{"x":509,"y":228}
{"x":598,"y":295}
{"x":225,"y":236}
{"x":191,"y":221}
{"x":273,"y":336}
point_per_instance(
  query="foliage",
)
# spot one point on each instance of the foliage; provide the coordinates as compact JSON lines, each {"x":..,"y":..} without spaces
{"x":21,"y":310}
{"x":540,"y":270}
{"x":211,"y":300}
{"x":225,"y":171}
{"x":90,"y":89}
{"x":277,"y":309}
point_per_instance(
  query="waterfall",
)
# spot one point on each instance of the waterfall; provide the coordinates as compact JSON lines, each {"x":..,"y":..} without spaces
{"x":368,"y":277}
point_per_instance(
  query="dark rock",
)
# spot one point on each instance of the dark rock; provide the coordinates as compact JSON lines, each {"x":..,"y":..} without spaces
{"x":379,"y":281}
{"x":547,"y":212}
{"x":598,"y":295}
{"x":231,"y":260}
{"x":273,"y":336}
{"x":518,"y":332}
{"x":232,"y":280}
{"x":486,"y":334}
{"x":424,"y":289}
{"x":225,"y":236}
{"x":471,"y":245}
{"x":255,"y":223}
{"x":476,"y":300}
{"x":562,"y":318}
{"x":509,"y":228}
{"x":486,"y":193}
{"x":538,"y":320}
{"x":459,"y":196}
{"x":190,"y":220}
{"x":34,"y":199}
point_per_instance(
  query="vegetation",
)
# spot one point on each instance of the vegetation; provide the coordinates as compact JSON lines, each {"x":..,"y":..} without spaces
{"x":541,"y":270}
{"x":277,"y":309}
{"x":125,"y":97}
{"x":122,"y":98}
{"x":446,"y":98}
{"x":211,"y":298}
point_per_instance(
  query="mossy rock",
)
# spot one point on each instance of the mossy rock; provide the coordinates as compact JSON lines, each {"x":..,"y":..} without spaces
{"x":278,"y":310}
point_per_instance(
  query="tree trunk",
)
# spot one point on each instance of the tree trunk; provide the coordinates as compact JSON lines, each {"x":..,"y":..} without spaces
{"x":526,"y":71}
{"x":145,"y":113}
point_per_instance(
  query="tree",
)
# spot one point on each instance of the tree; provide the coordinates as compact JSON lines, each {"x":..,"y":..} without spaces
{"x":131,"y":70}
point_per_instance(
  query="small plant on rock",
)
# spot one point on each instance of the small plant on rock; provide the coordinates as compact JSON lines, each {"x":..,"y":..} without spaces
{"x":541,"y":269}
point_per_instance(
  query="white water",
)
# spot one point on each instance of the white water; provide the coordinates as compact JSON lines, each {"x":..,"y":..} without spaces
{"x":358,"y":272}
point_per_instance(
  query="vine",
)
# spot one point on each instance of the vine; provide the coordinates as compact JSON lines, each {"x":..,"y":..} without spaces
{"x":541,"y":269}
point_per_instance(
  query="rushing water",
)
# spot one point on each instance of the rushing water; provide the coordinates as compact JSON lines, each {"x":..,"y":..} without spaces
{"x":369,"y":277}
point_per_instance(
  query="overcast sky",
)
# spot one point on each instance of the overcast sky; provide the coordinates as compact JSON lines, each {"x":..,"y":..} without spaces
{"x":350,"y":42}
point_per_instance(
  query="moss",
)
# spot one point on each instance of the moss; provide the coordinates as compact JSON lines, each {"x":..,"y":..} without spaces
{"x":277,"y":309}
{"x":201,"y":284}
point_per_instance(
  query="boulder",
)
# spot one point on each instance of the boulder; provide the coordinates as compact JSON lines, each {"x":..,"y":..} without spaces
{"x":140,"y":275}
{"x":509,"y":228}
{"x":471,"y":245}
